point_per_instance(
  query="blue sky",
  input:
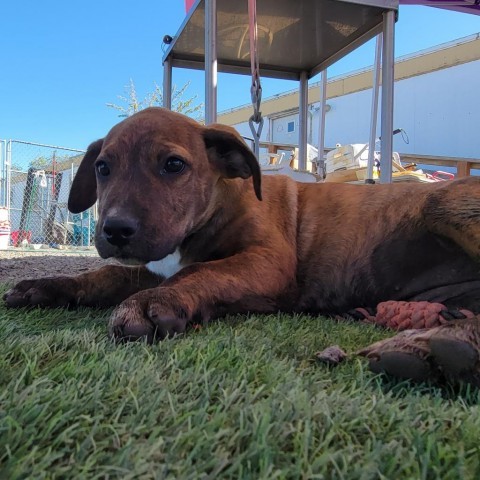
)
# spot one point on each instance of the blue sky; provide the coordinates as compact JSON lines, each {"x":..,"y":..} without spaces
{"x":63,"y":61}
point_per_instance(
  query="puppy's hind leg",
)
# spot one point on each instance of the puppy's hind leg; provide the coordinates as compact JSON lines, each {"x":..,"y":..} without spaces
{"x":453,"y":211}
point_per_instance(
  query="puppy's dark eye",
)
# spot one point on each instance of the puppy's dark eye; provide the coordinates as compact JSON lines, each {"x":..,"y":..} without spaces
{"x":102,"y":168}
{"x":174,"y":165}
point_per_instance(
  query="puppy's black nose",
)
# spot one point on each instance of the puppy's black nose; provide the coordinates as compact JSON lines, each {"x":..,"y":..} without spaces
{"x":119,"y":230}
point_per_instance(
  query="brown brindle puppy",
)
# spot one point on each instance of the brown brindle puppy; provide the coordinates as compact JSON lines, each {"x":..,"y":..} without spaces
{"x":200,"y":238}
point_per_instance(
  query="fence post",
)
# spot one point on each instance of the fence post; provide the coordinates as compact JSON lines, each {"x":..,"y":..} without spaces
{"x":3,"y":174}
{"x":8,"y":167}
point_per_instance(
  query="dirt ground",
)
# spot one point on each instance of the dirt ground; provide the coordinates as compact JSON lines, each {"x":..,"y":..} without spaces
{"x":17,"y":265}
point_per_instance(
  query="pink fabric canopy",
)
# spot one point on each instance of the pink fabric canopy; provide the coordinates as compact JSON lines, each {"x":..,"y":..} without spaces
{"x":464,"y":6}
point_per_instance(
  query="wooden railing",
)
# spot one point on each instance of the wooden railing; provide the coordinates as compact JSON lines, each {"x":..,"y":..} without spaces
{"x":463,"y":165}
{"x":275,"y":147}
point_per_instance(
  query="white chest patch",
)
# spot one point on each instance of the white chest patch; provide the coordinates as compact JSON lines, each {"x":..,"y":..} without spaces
{"x":168,"y":266}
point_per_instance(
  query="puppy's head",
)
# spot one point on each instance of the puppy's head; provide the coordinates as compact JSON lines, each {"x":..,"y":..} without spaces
{"x":155,"y":176}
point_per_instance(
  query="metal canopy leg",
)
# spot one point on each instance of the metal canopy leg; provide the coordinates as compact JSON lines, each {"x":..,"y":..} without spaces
{"x":210,"y":61}
{"x":374,"y":112}
{"x":302,"y":122}
{"x":388,"y":60}
{"x":167,"y":84}
{"x":321,"y":124}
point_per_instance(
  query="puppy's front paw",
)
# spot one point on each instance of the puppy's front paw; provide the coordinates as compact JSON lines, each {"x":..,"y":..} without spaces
{"x":149,"y":315}
{"x":45,"y":292}
{"x":168,"y":320}
{"x":129,"y":323}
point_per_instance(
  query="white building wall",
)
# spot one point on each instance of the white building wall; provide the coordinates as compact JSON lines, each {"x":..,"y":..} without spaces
{"x":440,"y":112}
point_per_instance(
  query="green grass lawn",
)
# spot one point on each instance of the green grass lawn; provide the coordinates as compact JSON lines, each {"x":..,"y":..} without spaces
{"x":240,"y":399}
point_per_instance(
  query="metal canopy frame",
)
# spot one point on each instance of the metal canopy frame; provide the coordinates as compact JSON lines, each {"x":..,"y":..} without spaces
{"x":297,"y":40}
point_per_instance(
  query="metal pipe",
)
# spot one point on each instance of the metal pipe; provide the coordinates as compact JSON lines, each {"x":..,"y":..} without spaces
{"x":8,"y":163}
{"x":46,"y":145}
{"x":3,"y":173}
{"x":302,"y":121}
{"x":388,"y":65}
{"x":89,"y":233}
{"x":167,"y":84}
{"x":210,"y":61}
{"x":321,"y":124}
{"x":374,"y":110}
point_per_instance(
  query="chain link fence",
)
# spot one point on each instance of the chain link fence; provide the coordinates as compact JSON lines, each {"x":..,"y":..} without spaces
{"x":35,"y":181}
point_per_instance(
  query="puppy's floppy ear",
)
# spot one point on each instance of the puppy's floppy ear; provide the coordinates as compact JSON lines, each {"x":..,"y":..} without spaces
{"x":83,"y":193}
{"x":231,"y":155}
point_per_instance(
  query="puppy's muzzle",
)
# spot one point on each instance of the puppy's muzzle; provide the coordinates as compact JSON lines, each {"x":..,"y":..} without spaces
{"x":119,"y":231}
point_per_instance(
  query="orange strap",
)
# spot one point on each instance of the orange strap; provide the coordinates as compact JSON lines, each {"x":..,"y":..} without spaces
{"x":406,"y":315}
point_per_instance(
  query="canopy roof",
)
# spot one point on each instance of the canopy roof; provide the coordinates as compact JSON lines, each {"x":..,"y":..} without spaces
{"x":464,"y":6}
{"x":294,"y":36}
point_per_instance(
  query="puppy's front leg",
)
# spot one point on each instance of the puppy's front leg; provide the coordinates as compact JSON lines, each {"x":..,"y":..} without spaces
{"x":197,"y":289}
{"x":107,"y":286}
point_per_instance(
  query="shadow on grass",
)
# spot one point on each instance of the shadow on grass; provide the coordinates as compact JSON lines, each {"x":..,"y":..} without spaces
{"x":465,"y":394}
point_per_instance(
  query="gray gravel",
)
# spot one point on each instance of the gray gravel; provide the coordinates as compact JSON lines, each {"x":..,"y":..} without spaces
{"x":17,"y":265}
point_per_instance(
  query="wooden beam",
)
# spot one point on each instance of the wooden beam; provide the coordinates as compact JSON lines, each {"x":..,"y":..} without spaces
{"x":463,"y":169}
{"x":440,"y":161}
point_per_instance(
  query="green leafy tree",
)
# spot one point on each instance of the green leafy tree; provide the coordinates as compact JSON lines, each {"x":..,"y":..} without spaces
{"x":41,"y":162}
{"x":52,"y":162}
{"x":130,"y":103}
